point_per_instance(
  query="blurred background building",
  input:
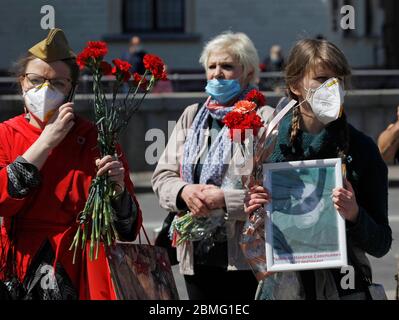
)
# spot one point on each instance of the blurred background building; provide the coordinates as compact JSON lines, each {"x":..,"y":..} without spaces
{"x":177,"y":29}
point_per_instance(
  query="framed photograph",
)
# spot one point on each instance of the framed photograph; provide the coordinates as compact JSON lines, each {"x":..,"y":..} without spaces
{"x":303,"y":229}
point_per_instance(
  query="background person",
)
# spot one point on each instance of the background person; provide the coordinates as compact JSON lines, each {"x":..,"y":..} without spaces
{"x":135,"y":55}
{"x":388,"y":141}
{"x":274,"y":61}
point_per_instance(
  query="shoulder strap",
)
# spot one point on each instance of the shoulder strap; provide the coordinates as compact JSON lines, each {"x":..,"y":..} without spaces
{"x":199,"y":106}
{"x":197,"y":109}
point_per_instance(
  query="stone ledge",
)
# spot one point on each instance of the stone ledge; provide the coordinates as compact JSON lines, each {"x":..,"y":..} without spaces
{"x":148,"y":37}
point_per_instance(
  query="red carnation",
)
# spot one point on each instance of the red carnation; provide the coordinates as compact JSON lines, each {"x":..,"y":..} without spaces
{"x":122,"y":65}
{"x":241,"y":122}
{"x":244,"y":106}
{"x":95,"y":50}
{"x":137,"y":78}
{"x":232,"y":119}
{"x":121,"y":70}
{"x":106,"y":68}
{"x":155,"y":65}
{"x":81,"y":59}
{"x":84,"y":58}
{"x":257,"y":97}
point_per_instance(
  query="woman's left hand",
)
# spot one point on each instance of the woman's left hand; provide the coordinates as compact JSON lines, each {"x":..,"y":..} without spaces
{"x":114,"y":169}
{"x":345,"y":202}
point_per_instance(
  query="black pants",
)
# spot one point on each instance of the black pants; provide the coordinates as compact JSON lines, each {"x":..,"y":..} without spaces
{"x":216,"y":283}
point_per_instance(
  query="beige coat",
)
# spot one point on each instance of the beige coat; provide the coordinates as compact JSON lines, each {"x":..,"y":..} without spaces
{"x":166,"y":183}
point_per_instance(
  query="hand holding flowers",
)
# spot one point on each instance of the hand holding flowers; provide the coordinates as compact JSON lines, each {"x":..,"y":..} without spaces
{"x":257,"y":197}
{"x":114,"y":169}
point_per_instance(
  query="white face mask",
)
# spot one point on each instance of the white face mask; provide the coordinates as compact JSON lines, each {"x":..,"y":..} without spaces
{"x":327,"y":100}
{"x":42,"y":101}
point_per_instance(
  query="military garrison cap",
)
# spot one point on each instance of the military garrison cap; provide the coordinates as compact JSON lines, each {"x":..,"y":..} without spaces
{"x":54,"y":47}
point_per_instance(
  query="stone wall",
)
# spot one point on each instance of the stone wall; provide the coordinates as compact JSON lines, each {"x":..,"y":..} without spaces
{"x":368,"y":110}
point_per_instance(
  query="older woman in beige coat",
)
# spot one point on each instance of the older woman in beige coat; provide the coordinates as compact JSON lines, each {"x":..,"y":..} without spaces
{"x":192,"y":172}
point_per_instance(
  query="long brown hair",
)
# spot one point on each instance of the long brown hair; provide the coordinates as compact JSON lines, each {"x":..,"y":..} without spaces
{"x":304,"y":57}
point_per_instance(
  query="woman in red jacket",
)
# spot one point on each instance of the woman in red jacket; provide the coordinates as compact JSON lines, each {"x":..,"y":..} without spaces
{"x":48,"y":156}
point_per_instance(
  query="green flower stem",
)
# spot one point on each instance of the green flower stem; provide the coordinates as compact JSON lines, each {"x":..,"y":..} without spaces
{"x":138,"y":86}
{"x":75,"y":244}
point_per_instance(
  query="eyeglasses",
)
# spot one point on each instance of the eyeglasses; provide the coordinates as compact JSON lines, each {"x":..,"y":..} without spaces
{"x":37,"y":80}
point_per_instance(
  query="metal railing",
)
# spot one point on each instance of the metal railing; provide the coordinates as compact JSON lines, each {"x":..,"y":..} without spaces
{"x":263,"y":75}
{"x":194,"y":82}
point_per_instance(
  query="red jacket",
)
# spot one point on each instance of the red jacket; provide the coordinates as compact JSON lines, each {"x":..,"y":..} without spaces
{"x":51,"y":211}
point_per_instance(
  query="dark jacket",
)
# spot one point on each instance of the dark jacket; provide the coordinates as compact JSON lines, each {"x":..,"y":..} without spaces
{"x":368,"y":175}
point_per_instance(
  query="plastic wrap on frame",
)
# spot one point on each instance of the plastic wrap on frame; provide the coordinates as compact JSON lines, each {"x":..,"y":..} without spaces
{"x":252,"y":240}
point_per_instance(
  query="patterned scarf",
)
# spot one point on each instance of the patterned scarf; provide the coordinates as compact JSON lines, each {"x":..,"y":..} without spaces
{"x":218,"y":157}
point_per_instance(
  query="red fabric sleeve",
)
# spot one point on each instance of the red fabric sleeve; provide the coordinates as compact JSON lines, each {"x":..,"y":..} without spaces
{"x":9,"y":206}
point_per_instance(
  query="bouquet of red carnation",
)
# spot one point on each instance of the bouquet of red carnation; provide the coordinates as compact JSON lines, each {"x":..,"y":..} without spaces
{"x":242,"y":119}
{"x":110,"y":118}
{"x":248,"y":132}
{"x":254,"y":142}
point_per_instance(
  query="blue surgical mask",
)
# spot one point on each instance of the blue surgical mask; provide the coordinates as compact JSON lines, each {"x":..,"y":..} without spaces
{"x":223,"y":90}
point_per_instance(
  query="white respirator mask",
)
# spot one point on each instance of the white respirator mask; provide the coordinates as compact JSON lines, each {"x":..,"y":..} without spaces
{"x":327,"y":100}
{"x":43,"y":101}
